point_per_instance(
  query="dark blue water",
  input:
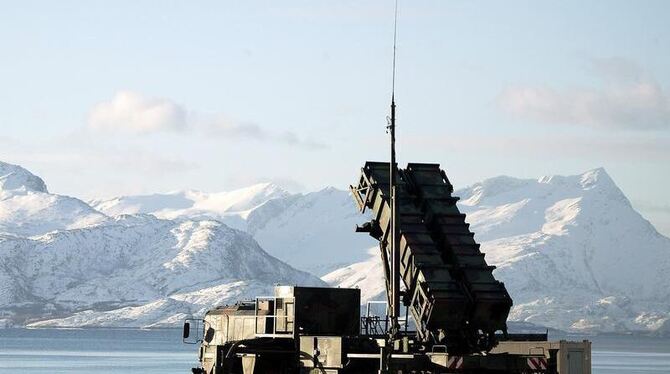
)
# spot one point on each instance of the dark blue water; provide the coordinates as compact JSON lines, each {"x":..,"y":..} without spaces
{"x":161,"y":351}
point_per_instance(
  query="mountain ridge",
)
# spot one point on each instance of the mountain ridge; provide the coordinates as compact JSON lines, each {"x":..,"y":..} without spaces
{"x":293,"y":227}
{"x":28,"y":209}
{"x":63,"y":263}
{"x":573,"y":252}
{"x":14,"y":177}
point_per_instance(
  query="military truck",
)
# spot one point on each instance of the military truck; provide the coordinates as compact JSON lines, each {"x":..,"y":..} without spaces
{"x":455,"y":311}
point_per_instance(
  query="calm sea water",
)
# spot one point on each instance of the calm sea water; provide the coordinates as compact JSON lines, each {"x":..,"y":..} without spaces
{"x":161,"y":351}
{"x":56,"y":351}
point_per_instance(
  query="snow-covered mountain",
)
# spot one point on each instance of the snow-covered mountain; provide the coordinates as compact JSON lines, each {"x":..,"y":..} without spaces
{"x":368,"y":275}
{"x":572,"y":251}
{"x":139,"y":262}
{"x":129,"y":270}
{"x":313,"y":232}
{"x":231,"y":207}
{"x":27,"y":208}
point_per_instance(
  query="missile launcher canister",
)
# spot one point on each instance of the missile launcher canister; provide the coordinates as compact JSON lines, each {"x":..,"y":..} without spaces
{"x":449,"y":289}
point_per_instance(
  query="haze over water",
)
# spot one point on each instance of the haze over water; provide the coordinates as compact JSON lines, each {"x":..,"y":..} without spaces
{"x":161,"y":351}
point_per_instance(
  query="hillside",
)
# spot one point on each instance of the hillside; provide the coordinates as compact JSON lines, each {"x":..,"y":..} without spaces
{"x":313,"y":232}
{"x":130,"y":270}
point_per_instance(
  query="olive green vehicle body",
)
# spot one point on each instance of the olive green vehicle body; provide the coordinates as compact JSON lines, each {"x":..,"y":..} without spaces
{"x":318,"y":330}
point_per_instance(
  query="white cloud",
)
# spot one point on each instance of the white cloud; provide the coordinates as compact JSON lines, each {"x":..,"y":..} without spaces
{"x":627,"y":99}
{"x":225,"y":127}
{"x":632,"y":147}
{"x":132,"y":112}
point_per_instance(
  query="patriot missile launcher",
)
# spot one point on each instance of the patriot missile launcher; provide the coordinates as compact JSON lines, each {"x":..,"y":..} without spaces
{"x":455,"y":309}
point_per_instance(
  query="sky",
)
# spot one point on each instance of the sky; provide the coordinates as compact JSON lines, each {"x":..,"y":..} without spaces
{"x":108,"y":98}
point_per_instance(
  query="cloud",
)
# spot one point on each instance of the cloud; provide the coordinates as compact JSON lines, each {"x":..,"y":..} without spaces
{"x":224,"y":127}
{"x":291,"y":138}
{"x":131,"y":112}
{"x":638,"y":147}
{"x":627,"y":99}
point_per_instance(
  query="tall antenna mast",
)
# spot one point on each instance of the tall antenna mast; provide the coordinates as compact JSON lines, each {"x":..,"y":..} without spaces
{"x":394,"y":298}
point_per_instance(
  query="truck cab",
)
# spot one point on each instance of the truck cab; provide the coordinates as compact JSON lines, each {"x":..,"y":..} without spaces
{"x":265,"y":335}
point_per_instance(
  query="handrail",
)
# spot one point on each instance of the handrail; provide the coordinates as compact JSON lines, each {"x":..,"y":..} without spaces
{"x":371,"y":322}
